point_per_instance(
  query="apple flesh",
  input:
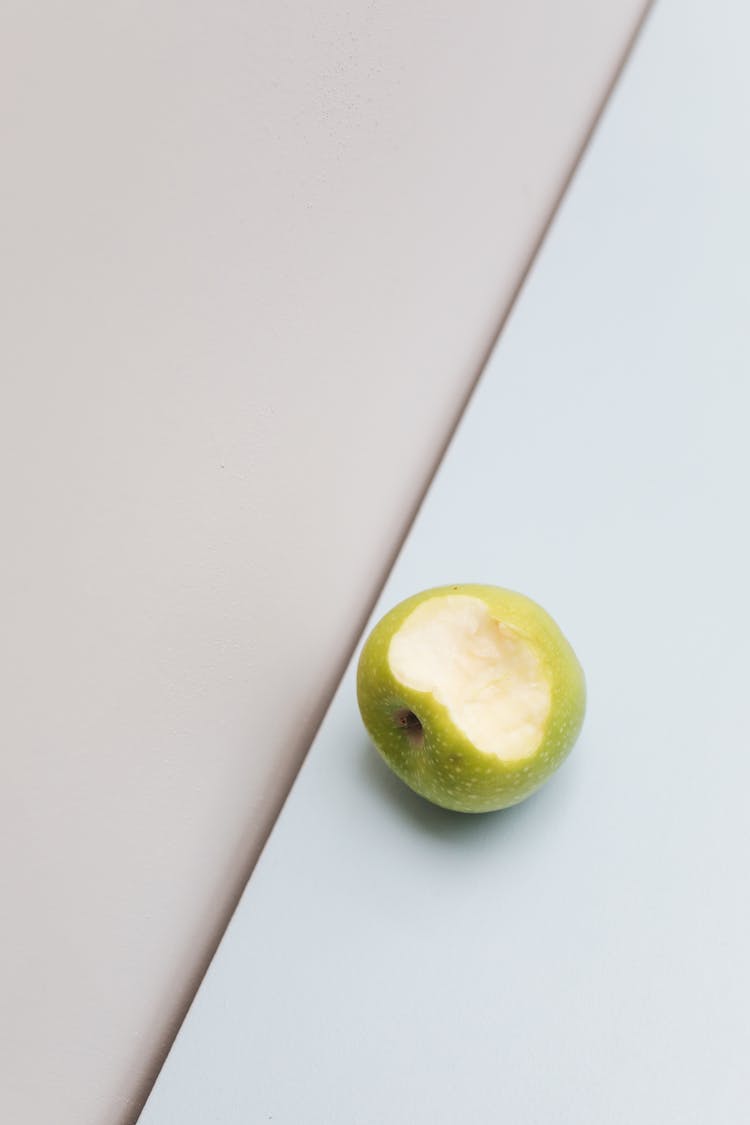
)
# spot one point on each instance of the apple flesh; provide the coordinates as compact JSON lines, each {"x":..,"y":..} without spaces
{"x":471,"y":694}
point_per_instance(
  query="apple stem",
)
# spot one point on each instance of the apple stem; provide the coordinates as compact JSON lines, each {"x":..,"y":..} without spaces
{"x":410,"y":724}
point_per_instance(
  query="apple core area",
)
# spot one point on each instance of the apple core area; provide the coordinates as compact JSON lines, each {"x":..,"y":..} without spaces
{"x":485,"y":673}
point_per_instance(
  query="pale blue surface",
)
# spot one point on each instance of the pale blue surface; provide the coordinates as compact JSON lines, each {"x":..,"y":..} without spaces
{"x":581,"y":959}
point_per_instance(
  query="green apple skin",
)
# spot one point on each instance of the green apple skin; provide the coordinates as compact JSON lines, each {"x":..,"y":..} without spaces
{"x":441,"y":764}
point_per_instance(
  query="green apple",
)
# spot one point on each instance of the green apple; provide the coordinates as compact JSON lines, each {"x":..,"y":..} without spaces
{"x":471,"y":694}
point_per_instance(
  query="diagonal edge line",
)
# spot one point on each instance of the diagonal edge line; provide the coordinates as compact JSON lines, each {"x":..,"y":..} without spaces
{"x":141,"y":1097}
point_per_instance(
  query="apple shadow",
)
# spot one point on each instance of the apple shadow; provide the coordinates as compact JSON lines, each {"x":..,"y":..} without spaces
{"x":445,"y":824}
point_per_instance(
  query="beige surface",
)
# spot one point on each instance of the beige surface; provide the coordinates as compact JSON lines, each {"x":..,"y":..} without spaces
{"x":252,"y":257}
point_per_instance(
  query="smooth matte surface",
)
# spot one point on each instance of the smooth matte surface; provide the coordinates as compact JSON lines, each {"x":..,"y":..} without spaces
{"x":582,"y":958}
{"x":252,"y":256}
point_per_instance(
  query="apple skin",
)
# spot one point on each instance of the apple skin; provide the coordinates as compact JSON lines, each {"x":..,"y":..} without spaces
{"x":439,"y":762}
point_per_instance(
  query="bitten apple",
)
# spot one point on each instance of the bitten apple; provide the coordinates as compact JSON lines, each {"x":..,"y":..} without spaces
{"x":471,"y":694}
